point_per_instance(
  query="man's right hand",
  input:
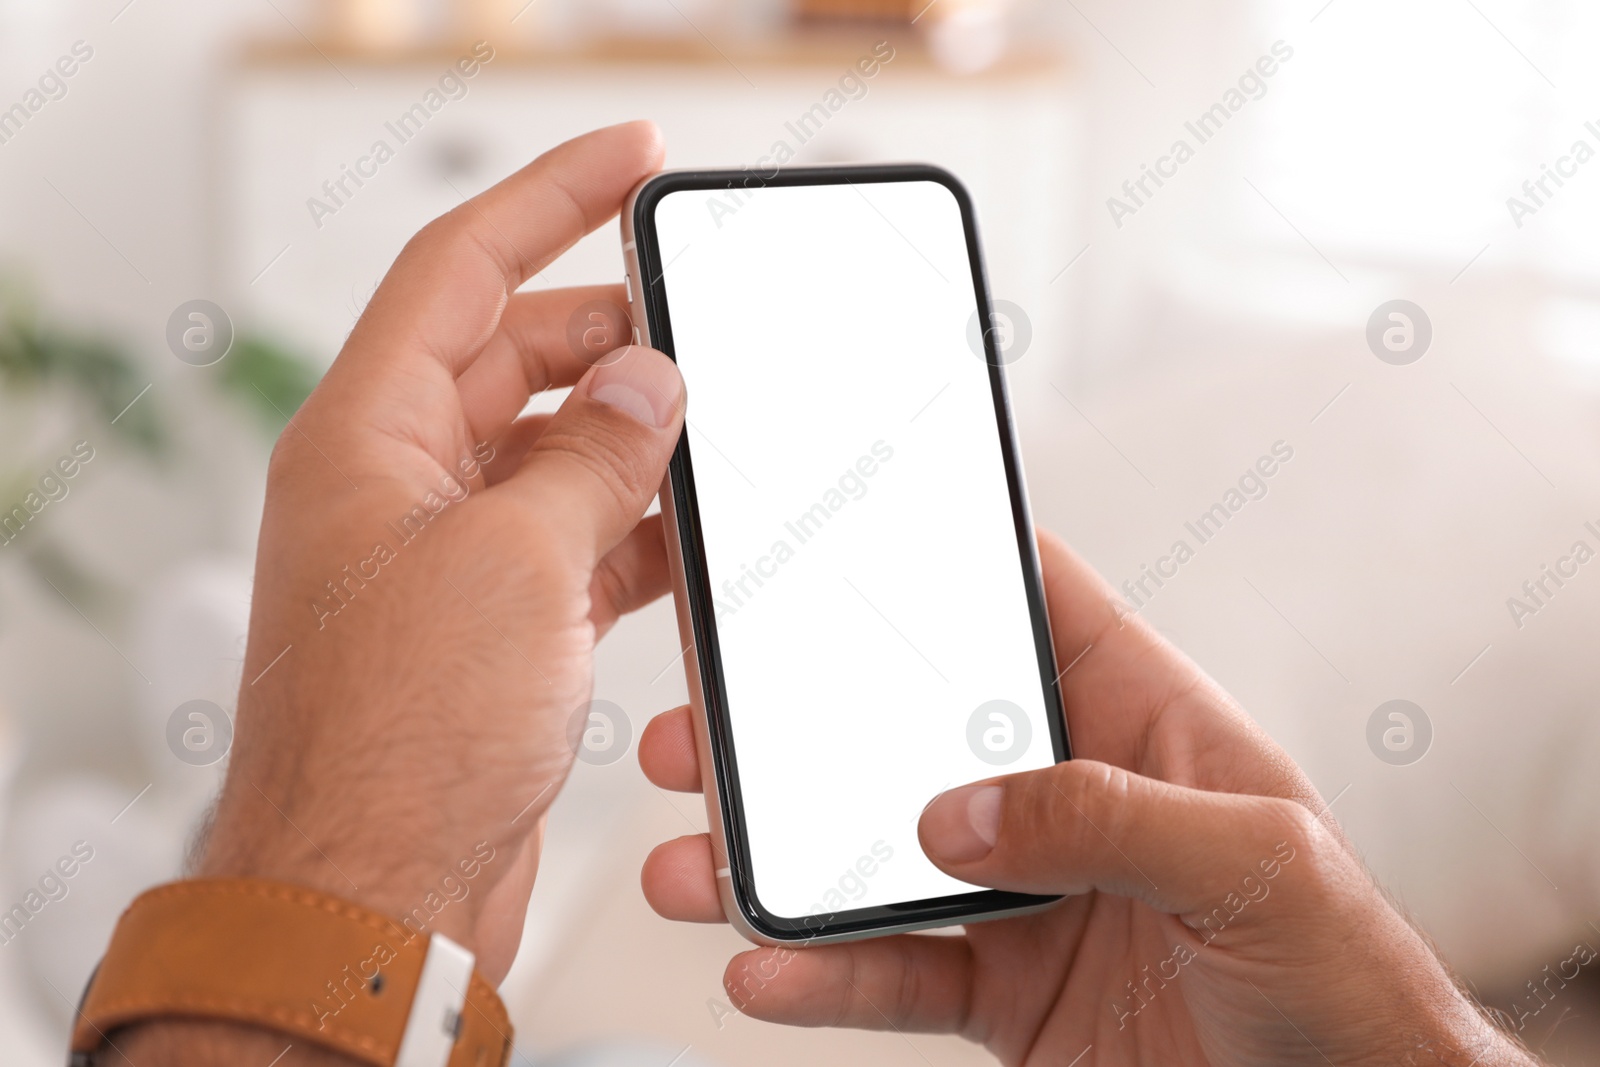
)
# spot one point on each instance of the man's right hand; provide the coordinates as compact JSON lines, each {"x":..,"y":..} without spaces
{"x":1214,"y":913}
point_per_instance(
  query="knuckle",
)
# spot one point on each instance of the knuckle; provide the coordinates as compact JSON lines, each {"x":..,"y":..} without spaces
{"x":456,"y":231}
{"x":507,"y":259}
{"x":281,"y":462}
{"x":1300,"y":842}
{"x":1291,"y":823}
{"x":434,"y":235}
{"x":613,"y":585}
{"x":851,"y":1001}
{"x":1082,"y":791}
{"x":908,"y":990}
{"x":1051,"y":809}
{"x":606,"y":454}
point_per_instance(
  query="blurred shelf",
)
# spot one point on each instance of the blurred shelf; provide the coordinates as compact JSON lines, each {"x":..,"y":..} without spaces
{"x":808,"y":48}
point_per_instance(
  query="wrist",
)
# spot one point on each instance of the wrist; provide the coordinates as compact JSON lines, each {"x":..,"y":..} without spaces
{"x":424,"y":892}
{"x":1464,"y":1037}
{"x":255,"y":957}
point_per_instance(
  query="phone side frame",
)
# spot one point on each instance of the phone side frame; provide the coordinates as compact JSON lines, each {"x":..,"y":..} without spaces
{"x":714,"y":775}
{"x":705,"y":748}
{"x":701,"y":727}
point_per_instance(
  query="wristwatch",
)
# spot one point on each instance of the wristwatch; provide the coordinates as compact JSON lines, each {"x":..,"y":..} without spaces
{"x":311,"y":966}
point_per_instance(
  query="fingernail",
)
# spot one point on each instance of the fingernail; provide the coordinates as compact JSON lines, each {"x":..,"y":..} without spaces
{"x":640,"y":381}
{"x":962,"y":825}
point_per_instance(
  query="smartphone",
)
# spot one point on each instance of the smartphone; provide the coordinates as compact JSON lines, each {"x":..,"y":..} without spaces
{"x":856,"y":576}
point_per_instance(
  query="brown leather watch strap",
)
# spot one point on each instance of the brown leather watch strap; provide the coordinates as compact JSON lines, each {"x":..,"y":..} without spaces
{"x":281,"y":957}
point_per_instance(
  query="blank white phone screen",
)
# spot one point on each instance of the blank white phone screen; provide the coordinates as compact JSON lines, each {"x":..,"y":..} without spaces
{"x":875,"y":634}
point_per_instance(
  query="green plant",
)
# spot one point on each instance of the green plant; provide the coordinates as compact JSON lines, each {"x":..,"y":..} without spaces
{"x":45,"y":364}
{"x":37,"y":358}
{"x":267,"y":377}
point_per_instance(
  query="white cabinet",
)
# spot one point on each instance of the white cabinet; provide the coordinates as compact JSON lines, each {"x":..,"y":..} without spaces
{"x":295,"y":119}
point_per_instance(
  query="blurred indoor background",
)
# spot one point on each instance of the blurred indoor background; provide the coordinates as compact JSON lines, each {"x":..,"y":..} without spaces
{"x":1160,"y":344}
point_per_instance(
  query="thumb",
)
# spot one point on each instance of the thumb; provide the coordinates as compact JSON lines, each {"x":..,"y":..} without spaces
{"x":1082,"y":825}
{"x":602,"y":457}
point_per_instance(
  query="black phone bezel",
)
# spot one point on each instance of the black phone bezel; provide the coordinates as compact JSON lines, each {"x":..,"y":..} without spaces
{"x":947,"y":910}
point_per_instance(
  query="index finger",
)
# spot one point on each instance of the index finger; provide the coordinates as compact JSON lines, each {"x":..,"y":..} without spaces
{"x":1109,"y":659}
{"x":442,"y":299}
{"x":667,"y":754}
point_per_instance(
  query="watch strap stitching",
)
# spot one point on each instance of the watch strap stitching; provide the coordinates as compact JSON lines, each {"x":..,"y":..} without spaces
{"x":325,"y":1029}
